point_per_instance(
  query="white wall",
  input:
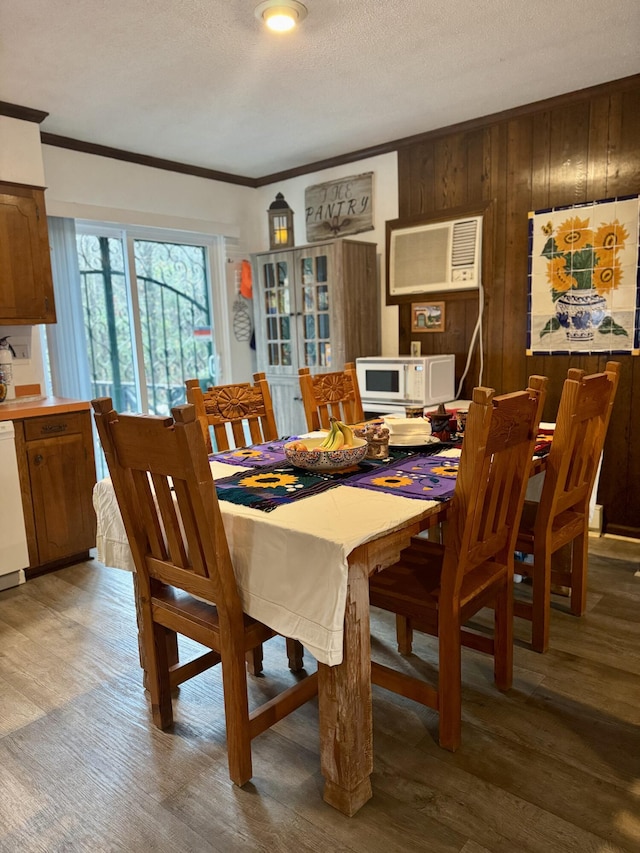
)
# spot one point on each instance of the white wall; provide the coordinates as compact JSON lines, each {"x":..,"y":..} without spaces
{"x":20,"y":152}
{"x":385,"y":207}
{"x":27,"y":371}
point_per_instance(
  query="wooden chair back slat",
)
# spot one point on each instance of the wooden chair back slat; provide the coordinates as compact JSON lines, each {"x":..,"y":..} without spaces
{"x":150,"y":528}
{"x":232,"y":408}
{"x":188,"y":525}
{"x":167,"y":510}
{"x":328,"y":395}
{"x":255,"y":433}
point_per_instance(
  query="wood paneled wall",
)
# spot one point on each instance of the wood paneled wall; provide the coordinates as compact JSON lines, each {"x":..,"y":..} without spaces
{"x":575,"y":148}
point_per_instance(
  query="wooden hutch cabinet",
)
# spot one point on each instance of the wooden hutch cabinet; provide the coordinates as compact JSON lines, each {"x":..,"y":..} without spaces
{"x":57,"y":474}
{"x":315,"y":306}
{"x":26,"y":286}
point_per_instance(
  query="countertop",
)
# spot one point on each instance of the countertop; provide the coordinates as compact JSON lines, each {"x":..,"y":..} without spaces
{"x":33,"y":407}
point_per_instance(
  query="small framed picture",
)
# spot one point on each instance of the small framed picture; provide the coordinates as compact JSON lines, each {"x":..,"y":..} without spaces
{"x":427,"y":316}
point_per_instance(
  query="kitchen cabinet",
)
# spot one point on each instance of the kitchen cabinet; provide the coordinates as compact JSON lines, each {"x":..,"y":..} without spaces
{"x":57,"y":474}
{"x":316,"y":306}
{"x":26,"y":285}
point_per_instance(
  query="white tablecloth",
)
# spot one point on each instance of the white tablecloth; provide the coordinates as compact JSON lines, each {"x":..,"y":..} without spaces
{"x":291,"y":563}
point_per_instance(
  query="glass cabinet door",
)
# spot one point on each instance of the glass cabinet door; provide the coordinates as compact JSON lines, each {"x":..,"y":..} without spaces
{"x":278,"y":313}
{"x":316,"y":325}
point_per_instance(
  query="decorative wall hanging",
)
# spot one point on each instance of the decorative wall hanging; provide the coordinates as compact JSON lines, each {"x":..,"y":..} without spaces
{"x":427,"y":316}
{"x":338,"y":208}
{"x":584,"y":278}
{"x":242,"y":322}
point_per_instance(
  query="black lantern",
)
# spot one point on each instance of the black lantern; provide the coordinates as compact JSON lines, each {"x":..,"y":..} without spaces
{"x":280,"y":224}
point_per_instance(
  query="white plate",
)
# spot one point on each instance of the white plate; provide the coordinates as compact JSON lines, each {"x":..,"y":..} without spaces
{"x":412,"y":440}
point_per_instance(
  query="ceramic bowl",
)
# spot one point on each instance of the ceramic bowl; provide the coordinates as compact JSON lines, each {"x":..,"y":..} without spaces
{"x":314,"y":459}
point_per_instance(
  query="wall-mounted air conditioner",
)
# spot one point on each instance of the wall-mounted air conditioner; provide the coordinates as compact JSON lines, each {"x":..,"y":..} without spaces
{"x":439,"y":256}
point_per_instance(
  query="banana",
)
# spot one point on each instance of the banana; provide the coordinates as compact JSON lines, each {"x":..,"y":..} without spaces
{"x":338,"y":441}
{"x":347,"y":432}
{"x":340,"y":435}
{"x":327,"y":444}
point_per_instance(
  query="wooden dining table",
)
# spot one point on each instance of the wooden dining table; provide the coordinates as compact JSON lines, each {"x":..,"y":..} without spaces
{"x":303,"y":569}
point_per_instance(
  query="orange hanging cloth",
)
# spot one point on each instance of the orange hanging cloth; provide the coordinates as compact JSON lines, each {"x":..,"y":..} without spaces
{"x":246,"y":282}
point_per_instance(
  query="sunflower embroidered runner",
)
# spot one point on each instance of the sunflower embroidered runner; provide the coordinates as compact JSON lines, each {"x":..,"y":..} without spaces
{"x":269,"y":486}
{"x":432,"y":477}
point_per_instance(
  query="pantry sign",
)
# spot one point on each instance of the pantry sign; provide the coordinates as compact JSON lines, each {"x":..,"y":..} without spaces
{"x":338,"y":208}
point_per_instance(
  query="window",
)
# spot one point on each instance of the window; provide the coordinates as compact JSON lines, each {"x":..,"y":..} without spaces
{"x":147,"y":305}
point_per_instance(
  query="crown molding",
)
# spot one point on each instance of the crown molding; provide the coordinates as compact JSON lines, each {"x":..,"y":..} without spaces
{"x":144,"y":160}
{"x":24,"y":113}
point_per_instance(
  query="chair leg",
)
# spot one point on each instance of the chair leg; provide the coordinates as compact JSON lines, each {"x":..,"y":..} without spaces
{"x":156,"y":639}
{"x":503,"y":636}
{"x":404,"y":634}
{"x":171,"y":637}
{"x":541,"y":606}
{"x":253,"y":659}
{"x":449,"y":682}
{"x":236,"y":709}
{"x":295,"y":653}
{"x":579,"y":560}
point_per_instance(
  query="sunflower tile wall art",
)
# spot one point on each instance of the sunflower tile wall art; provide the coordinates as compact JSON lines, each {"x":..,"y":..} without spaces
{"x":584,"y":278}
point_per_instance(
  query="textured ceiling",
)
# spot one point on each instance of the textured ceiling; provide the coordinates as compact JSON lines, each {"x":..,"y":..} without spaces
{"x":203,"y":83}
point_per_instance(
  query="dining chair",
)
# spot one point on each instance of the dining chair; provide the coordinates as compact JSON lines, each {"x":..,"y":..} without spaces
{"x":243,"y":407}
{"x":436,"y":588}
{"x":186,"y":583}
{"x":562,"y":515}
{"x":328,"y":395}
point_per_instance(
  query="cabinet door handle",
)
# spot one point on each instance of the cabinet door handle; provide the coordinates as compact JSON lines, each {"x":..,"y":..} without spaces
{"x":49,"y":428}
{"x":38,"y":459}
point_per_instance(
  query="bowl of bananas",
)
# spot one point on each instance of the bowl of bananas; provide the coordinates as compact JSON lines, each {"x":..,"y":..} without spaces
{"x":339,"y":449}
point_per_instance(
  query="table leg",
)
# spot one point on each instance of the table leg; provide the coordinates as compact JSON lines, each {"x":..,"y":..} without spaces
{"x":344,"y":699}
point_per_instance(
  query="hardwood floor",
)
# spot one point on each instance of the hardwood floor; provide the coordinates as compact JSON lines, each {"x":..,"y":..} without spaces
{"x":554,"y":765}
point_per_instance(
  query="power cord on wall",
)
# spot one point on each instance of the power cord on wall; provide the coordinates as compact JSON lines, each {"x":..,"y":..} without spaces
{"x":477,"y":333}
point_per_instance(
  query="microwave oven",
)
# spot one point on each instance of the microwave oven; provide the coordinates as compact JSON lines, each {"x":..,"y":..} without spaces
{"x":405,"y":381}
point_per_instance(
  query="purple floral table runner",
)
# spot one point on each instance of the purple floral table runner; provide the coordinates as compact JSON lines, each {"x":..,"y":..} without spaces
{"x":432,"y":477}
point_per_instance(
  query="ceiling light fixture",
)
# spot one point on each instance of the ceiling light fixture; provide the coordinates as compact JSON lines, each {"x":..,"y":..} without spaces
{"x":281,"y":15}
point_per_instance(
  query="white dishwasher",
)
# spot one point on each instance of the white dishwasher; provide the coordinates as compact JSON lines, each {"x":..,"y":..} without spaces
{"x":14,"y":554}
